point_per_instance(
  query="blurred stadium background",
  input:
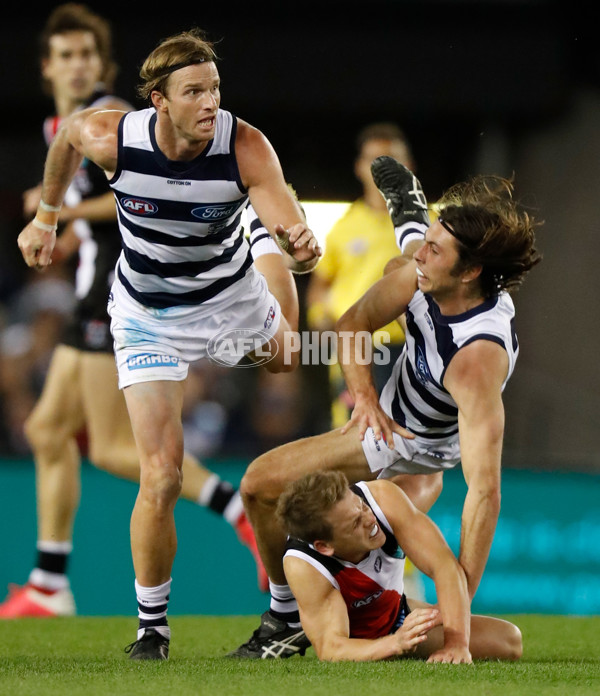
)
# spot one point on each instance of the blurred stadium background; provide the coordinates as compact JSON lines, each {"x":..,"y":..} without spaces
{"x":479,"y":86}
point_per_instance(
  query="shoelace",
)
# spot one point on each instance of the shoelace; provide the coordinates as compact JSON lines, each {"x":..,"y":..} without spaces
{"x":131,"y":646}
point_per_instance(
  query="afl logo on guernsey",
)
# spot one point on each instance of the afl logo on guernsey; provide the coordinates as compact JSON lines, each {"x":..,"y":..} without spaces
{"x":218,"y":211}
{"x":365,"y":601}
{"x":139,"y":206}
{"x":423,"y":373}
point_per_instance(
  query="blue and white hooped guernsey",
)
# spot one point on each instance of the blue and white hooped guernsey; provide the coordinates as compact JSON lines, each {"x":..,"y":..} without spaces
{"x":414,"y":396}
{"x":180,"y":222}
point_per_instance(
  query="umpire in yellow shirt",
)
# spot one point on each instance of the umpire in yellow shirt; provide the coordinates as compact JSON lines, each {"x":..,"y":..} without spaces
{"x":357,"y":249}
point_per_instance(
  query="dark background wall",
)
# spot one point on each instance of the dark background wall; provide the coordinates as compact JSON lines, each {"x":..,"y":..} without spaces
{"x":480,"y":86}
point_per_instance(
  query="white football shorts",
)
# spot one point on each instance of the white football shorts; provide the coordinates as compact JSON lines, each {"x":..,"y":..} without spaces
{"x":410,"y":456}
{"x":159,"y":344}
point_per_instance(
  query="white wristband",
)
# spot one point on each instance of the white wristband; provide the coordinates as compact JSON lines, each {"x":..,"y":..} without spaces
{"x":50,"y":208}
{"x":302,"y":267}
{"x":43,"y":226}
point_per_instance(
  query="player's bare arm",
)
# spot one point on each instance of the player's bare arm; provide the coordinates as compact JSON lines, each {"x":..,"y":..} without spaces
{"x":324,"y":618}
{"x":271,"y":197}
{"x":100,"y":208}
{"x":31,"y":197}
{"x":474,"y":379}
{"x":380,"y":305}
{"x":38,"y":237}
{"x":98,"y":138}
{"x":426,"y":547}
{"x":87,"y":133}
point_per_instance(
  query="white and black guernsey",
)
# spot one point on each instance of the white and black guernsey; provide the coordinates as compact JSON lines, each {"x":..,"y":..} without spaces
{"x":415,"y":396}
{"x":373,"y":590}
{"x":180,"y":222}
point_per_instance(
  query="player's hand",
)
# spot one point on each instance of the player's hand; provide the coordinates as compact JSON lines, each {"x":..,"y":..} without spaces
{"x":415,"y":628}
{"x":367,"y":413}
{"x":36,"y":245}
{"x":299,"y":242}
{"x":453,"y":655}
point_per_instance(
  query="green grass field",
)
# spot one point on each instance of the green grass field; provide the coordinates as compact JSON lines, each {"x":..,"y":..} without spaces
{"x":85,"y":656}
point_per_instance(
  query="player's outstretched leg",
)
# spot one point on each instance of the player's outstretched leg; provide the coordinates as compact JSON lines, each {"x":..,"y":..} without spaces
{"x":51,"y":431}
{"x":401,"y":190}
{"x":404,"y":198}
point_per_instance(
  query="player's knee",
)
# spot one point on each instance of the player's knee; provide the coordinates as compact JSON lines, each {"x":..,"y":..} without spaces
{"x":428,"y":490}
{"x":160,"y":482}
{"x":435,"y":484}
{"x":257,"y":484}
{"x":513,"y":643}
{"x":43,"y":437}
{"x":422,"y":489}
{"x":34,"y":431}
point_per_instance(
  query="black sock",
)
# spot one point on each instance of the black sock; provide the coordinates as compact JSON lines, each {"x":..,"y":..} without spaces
{"x":52,"y":562}
{"x":221,"y":496}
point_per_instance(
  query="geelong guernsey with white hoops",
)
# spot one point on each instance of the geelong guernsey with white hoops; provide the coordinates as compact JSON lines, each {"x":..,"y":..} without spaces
{"x":414,"y":396}
{"x":183,"y":242}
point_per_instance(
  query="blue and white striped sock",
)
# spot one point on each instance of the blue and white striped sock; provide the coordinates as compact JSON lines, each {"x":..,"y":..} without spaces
{"x":409,"y":232}
{"x":152,"y":608}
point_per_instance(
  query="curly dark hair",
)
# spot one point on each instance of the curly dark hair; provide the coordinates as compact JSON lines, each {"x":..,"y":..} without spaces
{"x":493,"y":231}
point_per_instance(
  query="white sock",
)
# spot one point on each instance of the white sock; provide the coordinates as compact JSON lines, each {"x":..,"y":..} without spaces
{"x":208,"y":489}
{"x":234,"y":509}
{"x":157,"y":599}
{"x":47,"y":580}
{"x":55,"y":546}
{"x":409,"y":232}
{"x":283,"y":602}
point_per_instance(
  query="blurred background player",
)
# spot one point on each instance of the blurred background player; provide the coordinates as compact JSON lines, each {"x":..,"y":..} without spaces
{"x":81,"y":407}
{"x":357,"y":249}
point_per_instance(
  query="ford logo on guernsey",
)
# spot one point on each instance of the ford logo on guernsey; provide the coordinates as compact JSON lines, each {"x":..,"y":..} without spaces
{"x":230,"y":346}
{"x":138,"y":206}
{"x":220,"y":211}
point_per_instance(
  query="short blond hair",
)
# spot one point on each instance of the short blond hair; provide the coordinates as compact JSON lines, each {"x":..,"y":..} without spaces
{"x":303,"y":506}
